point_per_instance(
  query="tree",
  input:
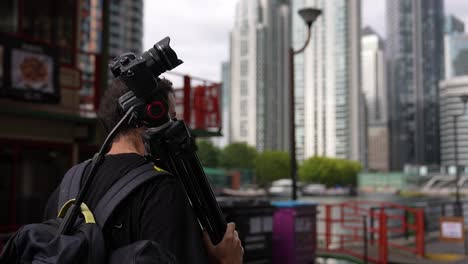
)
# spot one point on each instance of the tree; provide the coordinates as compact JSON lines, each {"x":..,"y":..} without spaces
{"x":330,"y":172}
{"x":238,"y":156}
{"x":208,"y":153}
{"x":271,"y":166}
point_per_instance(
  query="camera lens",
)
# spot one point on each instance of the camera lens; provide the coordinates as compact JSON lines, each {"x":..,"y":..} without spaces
{"x":161,"y":57}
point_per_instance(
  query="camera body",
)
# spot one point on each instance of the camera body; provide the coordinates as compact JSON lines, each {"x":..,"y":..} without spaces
{"x":141,"y":76}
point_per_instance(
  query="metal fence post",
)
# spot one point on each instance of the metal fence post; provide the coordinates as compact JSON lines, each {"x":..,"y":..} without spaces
{"x":364,"y":222}
{"x":327,"y":226}
{"x":420,"y":232}
{"x":383,"y":243}
{"x":372,"y":237}
{"x":406,"y":223}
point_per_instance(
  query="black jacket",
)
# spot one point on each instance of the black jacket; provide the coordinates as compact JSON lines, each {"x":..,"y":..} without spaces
{"x":157,"y":211}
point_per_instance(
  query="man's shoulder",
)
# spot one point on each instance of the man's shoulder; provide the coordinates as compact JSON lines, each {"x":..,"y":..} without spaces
{"x":161,"y":183}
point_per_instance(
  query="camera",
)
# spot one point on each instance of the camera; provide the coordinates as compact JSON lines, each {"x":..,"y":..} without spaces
{"x":140,"y":75}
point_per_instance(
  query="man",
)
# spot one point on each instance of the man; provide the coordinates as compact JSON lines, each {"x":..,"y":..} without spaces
{"x":157,"y":211}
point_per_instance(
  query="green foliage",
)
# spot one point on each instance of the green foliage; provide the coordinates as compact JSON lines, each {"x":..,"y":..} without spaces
{"x":208,"y":154}
{"x":330,"y":172}
{"x":271,"y":166}
{"x":238,"y":156}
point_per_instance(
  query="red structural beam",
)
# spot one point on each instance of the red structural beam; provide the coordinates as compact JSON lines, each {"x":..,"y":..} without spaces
{"x":187,"y":99}
{"x":420,"y":232}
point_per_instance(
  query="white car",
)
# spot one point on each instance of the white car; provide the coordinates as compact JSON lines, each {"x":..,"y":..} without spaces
{"x":314,"y":189}
{"x":283,"y":187}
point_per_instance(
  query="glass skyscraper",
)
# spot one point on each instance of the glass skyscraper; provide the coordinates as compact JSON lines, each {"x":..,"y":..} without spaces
{"x":126,"y":27}
{"x":456,"y":48}
{"x":415,"y":57}
{"x":329,"y":106}
{"x":453,"y":25}
{"x":375,"y":91}
{"x":260,"y":74}
{"x":126,"y":35}
{"x":225,"y":106}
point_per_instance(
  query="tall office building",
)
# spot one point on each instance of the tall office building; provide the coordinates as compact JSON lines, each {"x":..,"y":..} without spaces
{"x":455,"y":48}
{"x":415,"y":56}
{"x":259,"y":74}
{"x":329,"y":109}
{"x":126,"y":34}
{"x":453,"y":25}
{"x":225,"y":106}
{"x":450,"y":105}
{"x":374,"y":87}
{"x":90,"y":43}
{"x":90,"y":25}
{"x":126,"y":27}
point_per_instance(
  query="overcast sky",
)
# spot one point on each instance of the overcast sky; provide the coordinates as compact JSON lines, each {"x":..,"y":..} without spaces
{"x":199,"y":30}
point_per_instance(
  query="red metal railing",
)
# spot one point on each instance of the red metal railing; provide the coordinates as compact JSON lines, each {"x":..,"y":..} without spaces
{"x":197,"y":101}
{"x":346,"y":229}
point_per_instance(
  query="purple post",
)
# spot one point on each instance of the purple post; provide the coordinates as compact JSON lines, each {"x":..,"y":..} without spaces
{"x":294,"y":232}
{"x":283,"y":237}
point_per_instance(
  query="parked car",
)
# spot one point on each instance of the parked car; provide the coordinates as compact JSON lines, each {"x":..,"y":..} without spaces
{"x":314,"y":189}
{"x":283,"y":187}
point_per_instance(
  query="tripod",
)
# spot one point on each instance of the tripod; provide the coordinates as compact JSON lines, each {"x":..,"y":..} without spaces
{"x":177,"y":150}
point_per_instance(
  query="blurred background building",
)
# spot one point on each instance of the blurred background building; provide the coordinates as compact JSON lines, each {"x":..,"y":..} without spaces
{"x":455,"y":48}
{"x":126,"y":27}
{"x":225,"y":139}
{"x":259,"y":74}
{"x":329,"y":106}
{"x":125,"y":35}
{"x":415,"y":56}
{"x":453,"y":24}
{"x":374,"y":87}
{"x":450,"y":106}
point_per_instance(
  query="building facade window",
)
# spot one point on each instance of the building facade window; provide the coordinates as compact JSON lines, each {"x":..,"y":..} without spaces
{"x":244,"y":47}
{"x":243,"y":129}
{"x":243,"y":108}
{"x":244,"y":68}
{"x":244,"y":89}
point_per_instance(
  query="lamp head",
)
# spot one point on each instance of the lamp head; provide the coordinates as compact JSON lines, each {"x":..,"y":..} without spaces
{"x":309,"y":15}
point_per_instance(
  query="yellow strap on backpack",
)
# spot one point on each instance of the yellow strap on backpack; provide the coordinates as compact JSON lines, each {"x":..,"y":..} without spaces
{"x":88,"y":216}
{"x":159,"y":169}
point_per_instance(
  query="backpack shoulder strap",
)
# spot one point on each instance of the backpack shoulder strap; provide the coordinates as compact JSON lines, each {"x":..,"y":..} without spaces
{"x":71,"y":183}
{"x":122,"y":188}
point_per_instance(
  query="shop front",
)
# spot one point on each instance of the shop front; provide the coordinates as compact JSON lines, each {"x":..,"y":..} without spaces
{"x":43,"y":131}
{"x":35,"y":153}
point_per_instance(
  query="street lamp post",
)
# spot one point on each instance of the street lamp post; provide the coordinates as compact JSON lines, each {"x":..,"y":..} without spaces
{"x":458,"y":206}
{"x":309,"y":15}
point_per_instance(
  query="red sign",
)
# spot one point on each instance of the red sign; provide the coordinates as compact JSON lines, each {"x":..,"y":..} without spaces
{"x":203,"y":109}
{"x":206,"y":107}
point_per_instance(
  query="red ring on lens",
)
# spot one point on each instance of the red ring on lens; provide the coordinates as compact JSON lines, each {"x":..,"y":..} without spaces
{"x":155,"y":104}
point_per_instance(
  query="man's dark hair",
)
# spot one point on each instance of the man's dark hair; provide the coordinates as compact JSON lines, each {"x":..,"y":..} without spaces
{"x":110,"y":113}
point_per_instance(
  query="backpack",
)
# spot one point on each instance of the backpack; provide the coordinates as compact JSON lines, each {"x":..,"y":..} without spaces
{"x":41,"y":243}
